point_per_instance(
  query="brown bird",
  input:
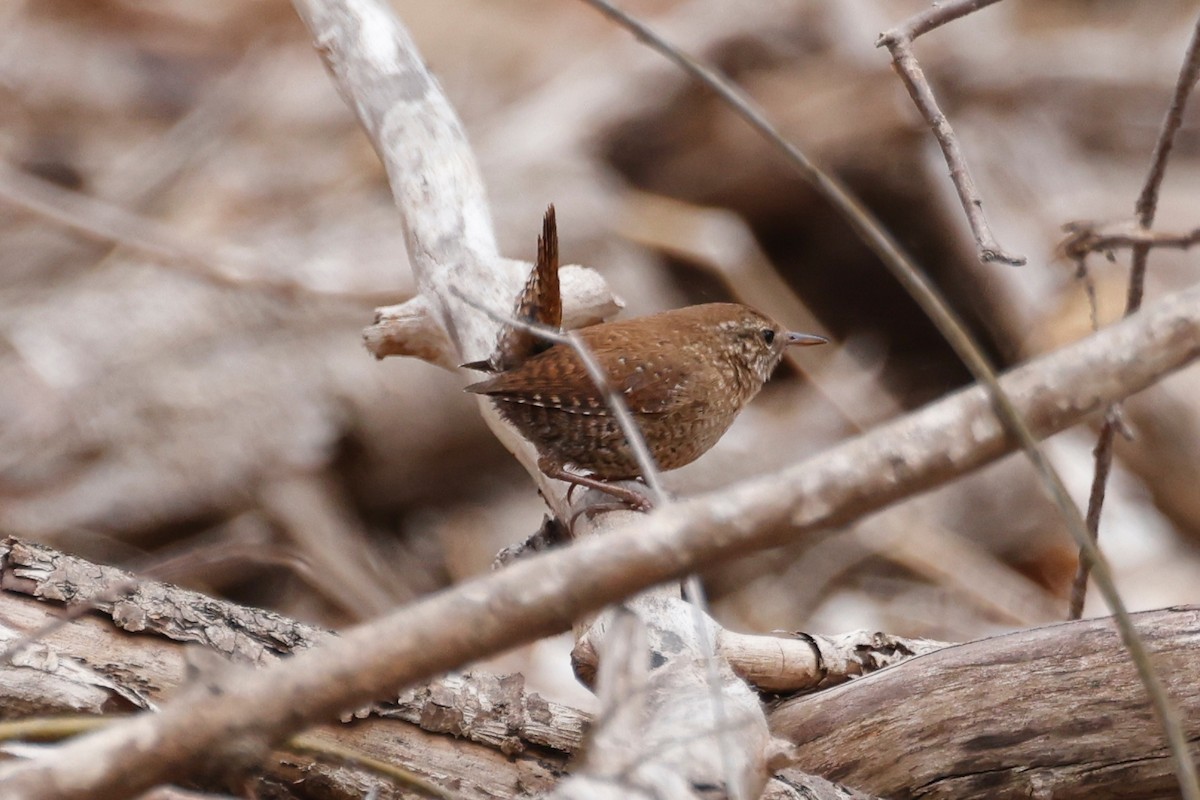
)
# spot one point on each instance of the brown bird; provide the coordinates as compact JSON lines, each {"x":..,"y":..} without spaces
{"x":684,"y":374}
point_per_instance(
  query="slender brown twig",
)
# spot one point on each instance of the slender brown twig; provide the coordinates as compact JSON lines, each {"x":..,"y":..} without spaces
{"x":936,"y":16}
{"x":905,"y":271}
{"x":898,"y":41}
{"x":1085,"y":238}
{"x":1145,"y":208}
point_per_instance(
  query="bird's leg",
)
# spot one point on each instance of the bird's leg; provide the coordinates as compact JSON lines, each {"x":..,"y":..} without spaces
{"x":554,"y":469}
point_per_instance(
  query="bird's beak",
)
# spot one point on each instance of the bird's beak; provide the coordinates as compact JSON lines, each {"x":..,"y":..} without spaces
{"x":805,"y":339}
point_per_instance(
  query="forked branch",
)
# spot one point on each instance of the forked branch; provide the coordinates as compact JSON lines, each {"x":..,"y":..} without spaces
{"x":899,"y":41}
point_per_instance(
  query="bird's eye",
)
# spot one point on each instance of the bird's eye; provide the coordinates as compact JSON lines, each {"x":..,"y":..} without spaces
{"x":768,"y":335}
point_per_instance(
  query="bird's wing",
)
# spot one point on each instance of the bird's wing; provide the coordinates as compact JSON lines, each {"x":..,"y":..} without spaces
{"x":558,"y":379}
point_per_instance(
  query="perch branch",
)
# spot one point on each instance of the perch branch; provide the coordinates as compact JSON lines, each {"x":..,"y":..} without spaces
{"x":411,"y":329}
{"x":438,"y":189}
{"x":439,"y":192}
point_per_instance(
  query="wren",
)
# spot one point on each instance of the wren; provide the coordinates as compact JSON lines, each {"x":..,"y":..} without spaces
{"x":684,"y":375}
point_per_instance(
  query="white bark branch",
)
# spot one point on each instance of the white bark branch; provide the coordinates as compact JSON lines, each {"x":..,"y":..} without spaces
{"x":411,"y":329}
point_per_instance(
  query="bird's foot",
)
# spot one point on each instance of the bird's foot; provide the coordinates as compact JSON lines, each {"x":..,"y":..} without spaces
{"x":625,"y":496}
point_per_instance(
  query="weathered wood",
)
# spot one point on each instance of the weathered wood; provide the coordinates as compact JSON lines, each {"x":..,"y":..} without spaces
{"x":482,"y":733}
{"x":1056,"y":711}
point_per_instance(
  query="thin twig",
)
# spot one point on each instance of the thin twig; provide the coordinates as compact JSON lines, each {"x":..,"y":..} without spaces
{"x":1084,"y":238}
{"x":873,"y":234}
{"x":899,"y":43}
{"x":937,"y":16}
{"x":1145,"y":208}
{"x":1084,"y":276}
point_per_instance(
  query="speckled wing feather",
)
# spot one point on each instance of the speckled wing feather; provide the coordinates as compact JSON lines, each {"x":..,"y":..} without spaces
{"x":557,"y":378}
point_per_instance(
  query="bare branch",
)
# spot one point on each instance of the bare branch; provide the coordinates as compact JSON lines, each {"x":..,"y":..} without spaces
{"x":411,"y":329}
{"x":1084,"y":238}
{"x":434,"y":178}
{"x":899,"y":43}
{"x":935,"y":17}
